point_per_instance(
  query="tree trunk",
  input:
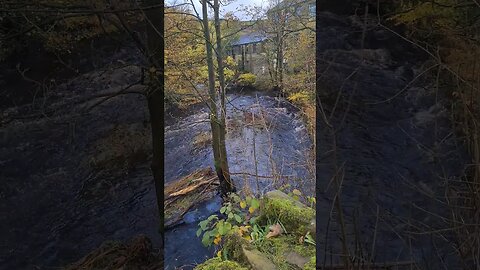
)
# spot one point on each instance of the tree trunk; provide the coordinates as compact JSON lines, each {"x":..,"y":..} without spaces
{"x":155,"y":47}
{"x":280,"y":62}
{"x":227,"y":181}
{"x":215,"y":121}
{"x":281,"y":32}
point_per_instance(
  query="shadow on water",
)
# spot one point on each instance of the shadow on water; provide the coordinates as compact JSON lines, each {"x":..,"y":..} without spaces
{"x":282,"y":147}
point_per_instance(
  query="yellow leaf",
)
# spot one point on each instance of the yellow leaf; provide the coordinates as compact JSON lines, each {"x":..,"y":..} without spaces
{"x":219,"y":253}
{"x":243,"y":204}
{"x":217,"y":240}
{"x":242,"y":230}
{"x":297,"y":192}
{"x":251,"y":210}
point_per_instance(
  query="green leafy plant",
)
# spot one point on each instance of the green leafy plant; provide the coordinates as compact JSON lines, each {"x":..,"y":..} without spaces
{"x":259,"y":233}
{"x":238,"y":216}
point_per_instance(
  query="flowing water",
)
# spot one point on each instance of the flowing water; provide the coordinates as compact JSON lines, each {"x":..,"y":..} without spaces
{"x":262,"y":126}
{"x":394,"y":140}
{"x":71,"y":180}
{"x":68,"y":179}
{"x":57,"y":206}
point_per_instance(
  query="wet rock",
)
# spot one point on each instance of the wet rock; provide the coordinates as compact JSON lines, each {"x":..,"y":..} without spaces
{"x":258,"y":260}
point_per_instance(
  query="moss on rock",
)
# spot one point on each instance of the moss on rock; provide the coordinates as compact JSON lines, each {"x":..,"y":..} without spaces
{"x":259,"y":260}
{"x":311,"y":265}
{"x":293,"y":215}
{"x":219,"y":264}
{"x":274,"y":249}
{"x":277,"y":249}
{"x":232,"y":248}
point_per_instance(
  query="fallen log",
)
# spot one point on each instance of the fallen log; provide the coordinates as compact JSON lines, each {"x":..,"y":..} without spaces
{"x":183,"y":194}
{"x":191,"y":188}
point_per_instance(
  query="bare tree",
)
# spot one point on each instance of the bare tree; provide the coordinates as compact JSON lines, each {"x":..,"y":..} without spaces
{"x":217,"y":121}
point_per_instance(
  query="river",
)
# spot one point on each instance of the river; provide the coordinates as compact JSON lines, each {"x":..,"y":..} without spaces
{"x":283,"y":149}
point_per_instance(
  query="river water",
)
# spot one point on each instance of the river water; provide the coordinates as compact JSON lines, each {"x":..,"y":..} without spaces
{"x":57,"y":202}
{"x":395,"y":142}
{"x":56,"y":208}
{"x":283,"y":149}
{"x":71,"y":180}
